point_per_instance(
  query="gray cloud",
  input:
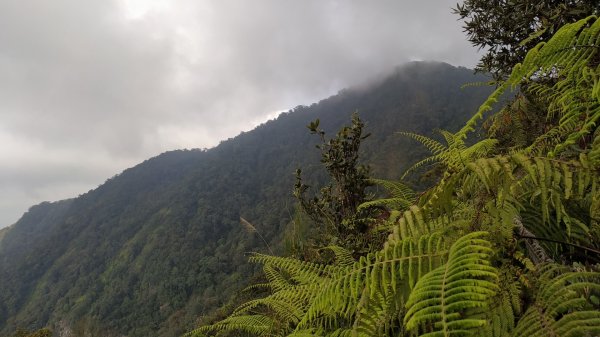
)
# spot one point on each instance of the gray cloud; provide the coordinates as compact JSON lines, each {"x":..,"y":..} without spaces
{"x":89,"y":88}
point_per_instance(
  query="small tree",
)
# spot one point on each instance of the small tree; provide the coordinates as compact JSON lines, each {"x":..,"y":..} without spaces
{"x":335,"y":209}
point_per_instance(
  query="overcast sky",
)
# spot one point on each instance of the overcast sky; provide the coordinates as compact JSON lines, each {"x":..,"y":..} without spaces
{"x":89,"y":88}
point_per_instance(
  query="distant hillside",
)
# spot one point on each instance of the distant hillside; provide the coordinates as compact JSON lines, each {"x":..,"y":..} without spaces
{"x":160,"y":244}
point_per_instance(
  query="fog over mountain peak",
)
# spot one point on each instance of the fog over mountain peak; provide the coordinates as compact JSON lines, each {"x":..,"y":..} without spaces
{"x":91,"y":88}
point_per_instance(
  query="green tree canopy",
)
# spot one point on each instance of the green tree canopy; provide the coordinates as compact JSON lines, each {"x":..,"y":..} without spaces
{"x":506,"y":30}
{"x":335,"y":210}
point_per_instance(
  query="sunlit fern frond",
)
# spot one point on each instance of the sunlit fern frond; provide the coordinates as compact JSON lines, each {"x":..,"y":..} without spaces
{"x":398,"y":266}
{"x":277,"y":280}
{"x":286,"y":306}
{"x":396,"y":189}
{"x":436,"y":148}
{"x":401,"y":196}
{"x":448,"y":300}
{"x":431,"y":144}
{"x":480,"y":149}
{"x":343,"y":257}
{"x":299,"y":271}
{"x":259,"y":325}
{"x":454,"y":155}
{"x":417,"y":221}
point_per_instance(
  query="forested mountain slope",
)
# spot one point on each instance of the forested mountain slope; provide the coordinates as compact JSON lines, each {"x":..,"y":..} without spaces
{"x":157,"y":246}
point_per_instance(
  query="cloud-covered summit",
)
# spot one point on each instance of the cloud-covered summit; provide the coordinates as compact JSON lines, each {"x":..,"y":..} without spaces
{"x":88,"y":88}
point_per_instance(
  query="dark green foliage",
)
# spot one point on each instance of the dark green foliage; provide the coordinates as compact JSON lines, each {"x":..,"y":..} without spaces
{"x":506,"y":30}
{"x":159,"y":247}
{"x":519,"y":123}
{"x":335,"y":210}
{"x":563,"y":304}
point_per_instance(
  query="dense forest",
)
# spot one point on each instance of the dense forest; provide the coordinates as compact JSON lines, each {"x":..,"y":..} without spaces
{"x":156,"y":249}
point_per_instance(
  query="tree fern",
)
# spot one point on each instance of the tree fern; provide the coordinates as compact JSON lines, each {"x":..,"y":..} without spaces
{"x":563,"y":304}
{"x":401,"y":196}
{"x":445,"y":301}
{"x":506,"y":306}
{"x":376,"y":315}
{"x":517,"y":185}
{"x":259,"y":325}
{"x":454,"y":155}
{"x":562,"y":71}
{"x":398,"y":266}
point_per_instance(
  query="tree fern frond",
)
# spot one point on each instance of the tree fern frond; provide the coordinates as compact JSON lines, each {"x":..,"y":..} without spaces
{"x":396,"y":189}
{"x":563,"y":71}
{"x":417,"y":221}
{"x":258,"y":286}
{"x":483,"y":109}
{"x":455,"y":155}
{"x":441,"y":301}
{"x":284,"y":307}
{"x":562,"y":305}
{"x":480,"y":149}
{"x":255,"y":324}
{"x":419,"y":164}
{"x":343,"y":257}
{"x":402,"y":196}
{"x":298,"y":270}
{"x":389,"y":203}
{"x":376,"y":314}
{"x":568,"y":57}
{"x":431,"y":144}
{"x":437,"y":149}
{"x":399,"y":265}
{"x":546,"y":184}
{"x":451,"y":140}
{"x":277,"y":280}
{"x":505,"y":307}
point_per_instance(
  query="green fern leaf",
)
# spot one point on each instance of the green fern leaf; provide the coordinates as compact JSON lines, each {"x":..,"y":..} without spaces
{"x":440,"y":301}
{"x":562,"y":305}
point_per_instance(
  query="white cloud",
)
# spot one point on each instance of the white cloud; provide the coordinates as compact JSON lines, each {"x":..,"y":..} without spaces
{"x":91,"y":87}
